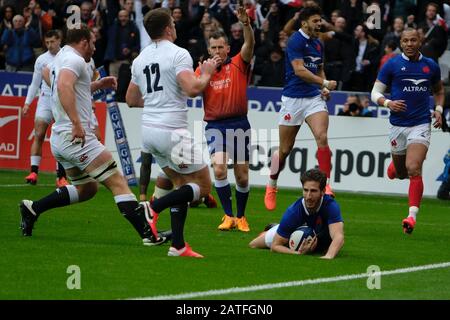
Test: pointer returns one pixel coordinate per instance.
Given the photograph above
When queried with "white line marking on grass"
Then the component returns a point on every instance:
(300, 283)
(25, 185)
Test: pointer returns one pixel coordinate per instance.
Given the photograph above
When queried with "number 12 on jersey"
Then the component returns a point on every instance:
(148, 71)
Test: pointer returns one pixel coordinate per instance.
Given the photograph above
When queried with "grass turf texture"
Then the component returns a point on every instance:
(114, 265)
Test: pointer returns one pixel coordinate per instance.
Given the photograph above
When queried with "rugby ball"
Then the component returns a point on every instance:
(299, 235)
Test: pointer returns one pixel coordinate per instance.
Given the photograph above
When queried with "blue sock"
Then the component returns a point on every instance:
(224, 191)
(241, 199)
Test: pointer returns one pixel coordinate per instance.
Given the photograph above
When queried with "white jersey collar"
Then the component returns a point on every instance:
(303, 33)
(407, 59)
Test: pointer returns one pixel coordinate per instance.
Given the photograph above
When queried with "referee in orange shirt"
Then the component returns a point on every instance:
(228, 130)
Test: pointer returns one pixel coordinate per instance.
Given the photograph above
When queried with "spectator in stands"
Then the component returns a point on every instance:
(100, 47)
(236, 39)
(6, 16)
(274, 18)
(395, 34)
(389, 52)
(411, 22)
(435, 39)
(129, 7)
(123, 43)
(272, 71)
(366, 54)
(338, 52)
(352, 107)
(365, 103)
(87, 17)
(444, 189)
(352, 11)
(184, 24)
(403, 8)
(222, 11)
(199, 47)
(18, 45)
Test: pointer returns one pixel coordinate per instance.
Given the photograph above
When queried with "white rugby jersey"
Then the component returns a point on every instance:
(155, 71)
(68, 58)
(42, 61)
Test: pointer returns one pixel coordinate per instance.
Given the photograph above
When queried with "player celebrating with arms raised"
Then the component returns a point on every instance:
(410, 77)
(302, 99)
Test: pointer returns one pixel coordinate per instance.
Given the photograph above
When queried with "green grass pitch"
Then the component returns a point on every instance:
(114, 264)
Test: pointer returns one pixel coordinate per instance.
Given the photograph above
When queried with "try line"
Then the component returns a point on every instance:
(300, 283)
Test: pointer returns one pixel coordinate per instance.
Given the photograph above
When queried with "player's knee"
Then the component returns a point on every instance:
(413, 169)
(39, 135)
(242, 181)
(220, 172)
(205, 189)
(164, 183)
(284, 151)
(87, 191)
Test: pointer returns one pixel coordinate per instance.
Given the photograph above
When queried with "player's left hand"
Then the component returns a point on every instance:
(326, 258)
(325, 94)
(109, 83)
(307, 246)
(438, 119)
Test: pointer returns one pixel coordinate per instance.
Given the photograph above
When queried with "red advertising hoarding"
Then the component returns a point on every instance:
(17, 134)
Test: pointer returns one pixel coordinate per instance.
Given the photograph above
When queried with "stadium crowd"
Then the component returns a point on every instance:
(353, 53)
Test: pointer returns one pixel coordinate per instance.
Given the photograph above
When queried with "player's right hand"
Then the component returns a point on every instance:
(209, 66)
(25, 109)
(397, 105)
(78, 135)
(332, 84)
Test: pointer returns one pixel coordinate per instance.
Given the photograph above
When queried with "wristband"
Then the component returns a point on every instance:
(439, 109)
(386, 102)
(325, 83)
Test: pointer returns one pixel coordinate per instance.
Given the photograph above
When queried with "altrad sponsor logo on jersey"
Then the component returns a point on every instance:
(415, 87)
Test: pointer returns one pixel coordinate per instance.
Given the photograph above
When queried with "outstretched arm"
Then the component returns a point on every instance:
(337, 240)
(249, 37)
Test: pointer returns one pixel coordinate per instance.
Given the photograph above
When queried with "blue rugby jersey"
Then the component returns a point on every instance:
(297, 215)
(410, 81)
(301, 46)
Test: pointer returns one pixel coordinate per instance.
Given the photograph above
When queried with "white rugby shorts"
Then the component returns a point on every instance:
(294, 111)
(44, 109)
(73, 155)
(269, 235)
(174, 149)
(401, 137)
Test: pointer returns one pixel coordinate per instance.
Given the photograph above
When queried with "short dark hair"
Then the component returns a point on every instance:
(433, 4)
(308, 12)
(217, 35)
(76, 35)
(392, 45)
(53, 33)
(156, 20)
(315, 175)
(408, 29)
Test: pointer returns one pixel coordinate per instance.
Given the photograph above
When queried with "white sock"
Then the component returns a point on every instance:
(273, 183)
(35, 160)
(413, 211)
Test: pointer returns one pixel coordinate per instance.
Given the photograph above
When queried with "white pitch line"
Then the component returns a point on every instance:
(269, 286)
(24, 185)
